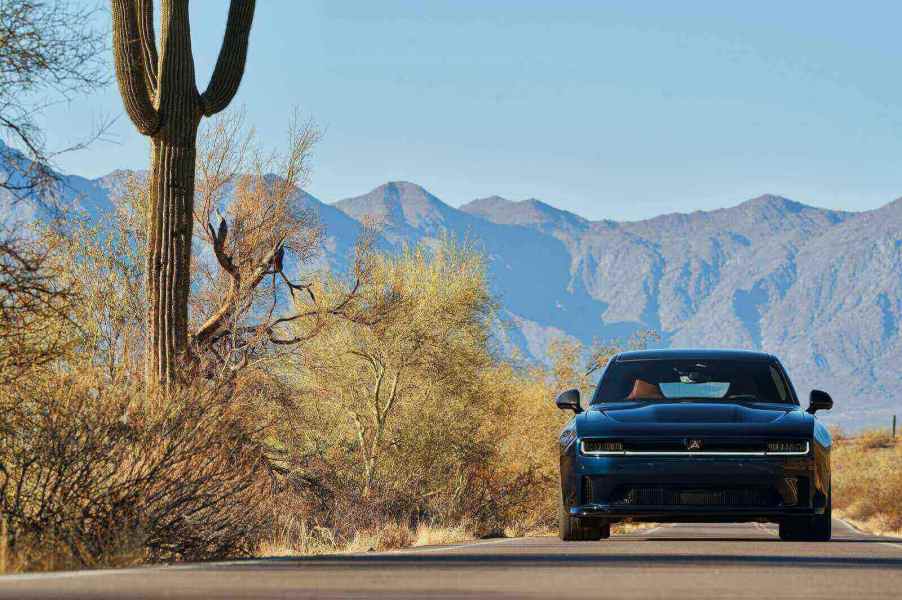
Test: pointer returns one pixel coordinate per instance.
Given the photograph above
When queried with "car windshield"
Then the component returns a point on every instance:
(660, 380)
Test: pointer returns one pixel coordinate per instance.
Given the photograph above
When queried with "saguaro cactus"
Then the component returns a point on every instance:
(161, 98)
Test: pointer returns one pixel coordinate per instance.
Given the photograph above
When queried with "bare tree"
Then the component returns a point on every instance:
(48, 52)
(256, 241)
(262, 234)
(160, 95)
(34, 307)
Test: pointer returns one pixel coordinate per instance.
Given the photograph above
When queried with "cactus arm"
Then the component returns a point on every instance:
(148, 44)
(232, 57)
(130, 70)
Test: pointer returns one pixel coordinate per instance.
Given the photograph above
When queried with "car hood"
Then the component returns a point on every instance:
(704, 418)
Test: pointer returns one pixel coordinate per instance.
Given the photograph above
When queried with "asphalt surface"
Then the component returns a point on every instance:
(672, 561)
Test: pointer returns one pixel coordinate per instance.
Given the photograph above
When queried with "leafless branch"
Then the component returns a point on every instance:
(47, 48)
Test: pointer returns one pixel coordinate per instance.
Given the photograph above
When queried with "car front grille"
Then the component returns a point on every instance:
(680, 496)
(692, 446)
(706, 445)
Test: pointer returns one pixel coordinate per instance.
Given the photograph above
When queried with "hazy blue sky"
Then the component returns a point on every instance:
(609, 109)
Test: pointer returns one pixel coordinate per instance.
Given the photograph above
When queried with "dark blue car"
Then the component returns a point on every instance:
(695, 436)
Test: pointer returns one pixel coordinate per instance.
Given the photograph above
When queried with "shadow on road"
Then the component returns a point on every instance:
(757, 540)
(658, 540)
(476, 560)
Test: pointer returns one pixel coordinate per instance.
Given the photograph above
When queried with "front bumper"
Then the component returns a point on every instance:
(696, 488)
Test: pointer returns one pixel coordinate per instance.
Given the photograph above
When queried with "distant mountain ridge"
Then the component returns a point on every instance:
(820, 288)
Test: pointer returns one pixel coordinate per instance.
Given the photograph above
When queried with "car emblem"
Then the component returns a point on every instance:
(693, 444)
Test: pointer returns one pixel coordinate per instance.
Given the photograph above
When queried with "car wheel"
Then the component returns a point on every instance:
(822, 525)
(573, 530)
(815, 529)
(793, 530)
(566, 524)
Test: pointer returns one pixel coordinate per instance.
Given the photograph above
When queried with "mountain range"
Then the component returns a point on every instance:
(822, 289)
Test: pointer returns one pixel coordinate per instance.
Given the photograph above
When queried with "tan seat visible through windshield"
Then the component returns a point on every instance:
(644, 389)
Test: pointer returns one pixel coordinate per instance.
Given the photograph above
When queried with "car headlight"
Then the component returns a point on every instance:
(593, 447)
(787, 447)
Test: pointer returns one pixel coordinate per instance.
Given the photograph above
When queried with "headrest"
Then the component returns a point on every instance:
(644, 389)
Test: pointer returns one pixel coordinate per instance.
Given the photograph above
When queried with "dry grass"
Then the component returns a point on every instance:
(872, 440)
(623, 528)
(436, 535)
(628, 527)
(391, 536)
(867, 481)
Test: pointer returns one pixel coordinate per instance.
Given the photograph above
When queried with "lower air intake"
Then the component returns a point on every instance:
(587, 490)
(661, 496)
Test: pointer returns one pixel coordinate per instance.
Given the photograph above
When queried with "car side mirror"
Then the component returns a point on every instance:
(819, 401)
(569, 400)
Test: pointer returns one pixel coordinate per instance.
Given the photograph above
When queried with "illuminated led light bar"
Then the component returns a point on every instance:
(596, 447)
(601, 447)
(787, 447)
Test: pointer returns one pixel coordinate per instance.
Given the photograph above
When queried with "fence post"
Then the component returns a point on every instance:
(894, 426)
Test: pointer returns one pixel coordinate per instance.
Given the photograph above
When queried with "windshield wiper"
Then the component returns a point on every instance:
(645, 399)
(744, 398)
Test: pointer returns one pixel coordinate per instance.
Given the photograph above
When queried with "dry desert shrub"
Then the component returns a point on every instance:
(417, 421)
(867, 480)
(35, 305)
(414, 420)
(877, 438)
(396, 420)
(90, 476)
(394, 536)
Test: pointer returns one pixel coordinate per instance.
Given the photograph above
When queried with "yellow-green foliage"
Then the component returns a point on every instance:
(413, 418)
(867, 480)
(396, 421)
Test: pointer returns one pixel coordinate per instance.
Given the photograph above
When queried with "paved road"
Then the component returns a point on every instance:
(682, 561)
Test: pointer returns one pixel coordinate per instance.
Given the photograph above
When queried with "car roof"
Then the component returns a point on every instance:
(695, 354)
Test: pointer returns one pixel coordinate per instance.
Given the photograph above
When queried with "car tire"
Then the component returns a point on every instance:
(577, 530)
(822, 525)
(793, 530)
(815, 529)
(567, 529)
